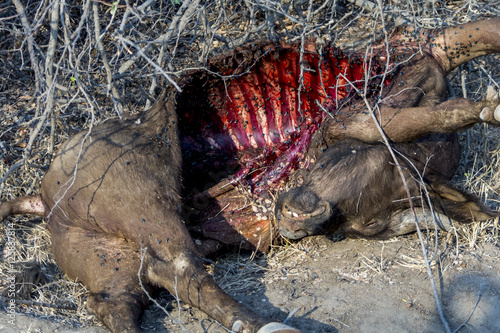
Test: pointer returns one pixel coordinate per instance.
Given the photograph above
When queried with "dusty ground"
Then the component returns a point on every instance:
(340, 286)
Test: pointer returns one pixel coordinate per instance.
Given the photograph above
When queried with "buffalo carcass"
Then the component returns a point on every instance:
(258, 125)
(272, 109)
(112, 198)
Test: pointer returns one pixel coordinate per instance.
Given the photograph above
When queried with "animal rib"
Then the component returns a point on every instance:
(268, 111)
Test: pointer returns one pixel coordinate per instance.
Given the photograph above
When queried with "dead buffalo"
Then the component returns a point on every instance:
(112, 196)
(270, 109)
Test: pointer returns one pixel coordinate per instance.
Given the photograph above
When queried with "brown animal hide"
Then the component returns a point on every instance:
(112, 201)
(266, 110)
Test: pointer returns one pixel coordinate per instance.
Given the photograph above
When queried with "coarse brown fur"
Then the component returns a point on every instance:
(365, 195)
(112, 200)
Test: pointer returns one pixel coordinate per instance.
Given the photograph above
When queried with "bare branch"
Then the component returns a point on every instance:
(31, 42)
(104, 58)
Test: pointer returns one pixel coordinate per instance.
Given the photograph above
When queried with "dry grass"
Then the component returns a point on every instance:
(478, 172)
(83, 94)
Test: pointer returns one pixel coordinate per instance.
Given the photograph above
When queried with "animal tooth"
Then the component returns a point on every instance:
(295, 214)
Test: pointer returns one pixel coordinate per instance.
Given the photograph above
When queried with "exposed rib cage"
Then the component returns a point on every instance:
(258, 109)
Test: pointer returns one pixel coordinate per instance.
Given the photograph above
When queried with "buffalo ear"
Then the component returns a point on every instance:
(458, 205)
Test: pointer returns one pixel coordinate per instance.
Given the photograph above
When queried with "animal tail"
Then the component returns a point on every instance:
(24, 205)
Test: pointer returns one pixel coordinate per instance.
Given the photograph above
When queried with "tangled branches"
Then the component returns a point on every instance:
(97, 59)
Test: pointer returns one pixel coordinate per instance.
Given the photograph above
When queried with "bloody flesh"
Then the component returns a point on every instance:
(250, 119)
(254, 120)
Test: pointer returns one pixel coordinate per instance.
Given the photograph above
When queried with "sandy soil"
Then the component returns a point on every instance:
(340, 286)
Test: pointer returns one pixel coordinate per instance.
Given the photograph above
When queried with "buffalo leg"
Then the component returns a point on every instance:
(171, 262)
(405, 124)
(23, 205)
(119, 312)
(185, 277)
(108, 267)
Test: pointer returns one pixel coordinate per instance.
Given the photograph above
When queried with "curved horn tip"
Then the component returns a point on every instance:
(278, 328)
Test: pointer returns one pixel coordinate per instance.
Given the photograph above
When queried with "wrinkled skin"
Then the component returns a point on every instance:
(368, 198)
(361, 194)
(112, 202)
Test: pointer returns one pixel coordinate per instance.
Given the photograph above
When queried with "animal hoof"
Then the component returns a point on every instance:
(278, 328)
(491, 94)
(485, 114)
(496, 114)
